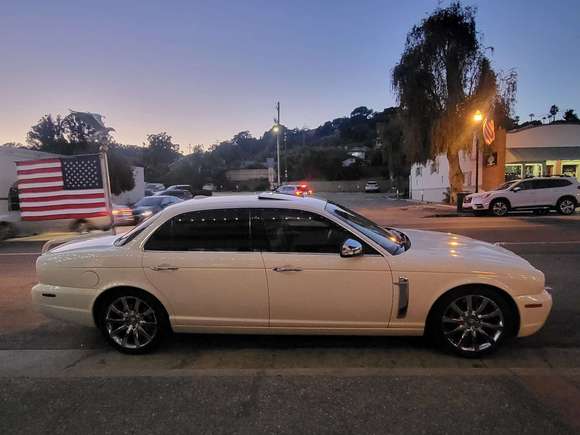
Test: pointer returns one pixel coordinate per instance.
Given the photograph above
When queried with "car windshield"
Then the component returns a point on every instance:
(130, 235)
(506, 185)
(149, 201)
(395, 242)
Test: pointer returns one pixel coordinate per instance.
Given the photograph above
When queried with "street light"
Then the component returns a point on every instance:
(477, 118)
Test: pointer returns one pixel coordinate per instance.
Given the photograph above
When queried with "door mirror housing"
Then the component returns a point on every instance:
(516, 189)
(351, 248)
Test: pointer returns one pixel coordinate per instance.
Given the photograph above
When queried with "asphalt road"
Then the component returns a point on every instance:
(57, 378)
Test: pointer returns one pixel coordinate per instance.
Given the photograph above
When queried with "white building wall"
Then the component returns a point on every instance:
(138, 192)
(430, 181)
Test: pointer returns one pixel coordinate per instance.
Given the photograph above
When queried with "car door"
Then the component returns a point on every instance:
(523, 194)
(203, 262)
(310, 284)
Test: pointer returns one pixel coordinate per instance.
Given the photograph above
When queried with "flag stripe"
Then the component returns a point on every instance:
(38, 162)
(61, 194)
(62, 199)
(30, 181)
(41, 187)
(22, 172)
(82, 215)
(57, 212)
(72, 206)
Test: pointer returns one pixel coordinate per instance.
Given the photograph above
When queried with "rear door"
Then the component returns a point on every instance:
(310, 284)
(203, 262)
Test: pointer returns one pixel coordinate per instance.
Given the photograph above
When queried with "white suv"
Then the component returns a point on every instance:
(539, 194)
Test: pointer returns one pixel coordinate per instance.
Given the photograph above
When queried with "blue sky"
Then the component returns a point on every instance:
(204, 70)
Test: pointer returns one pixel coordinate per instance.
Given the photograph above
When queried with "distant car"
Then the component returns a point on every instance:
(154, 187)
(210, 187)
(280, 264)
(294, 189)
(372, 187)
(151, 205)
(181, 194)
(540, 194)
(180, 187)
(12, 225)
(187, 187)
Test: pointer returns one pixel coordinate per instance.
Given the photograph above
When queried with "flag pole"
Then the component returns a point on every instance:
(103, 148)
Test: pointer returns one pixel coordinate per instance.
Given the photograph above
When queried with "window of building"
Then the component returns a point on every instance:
(513, 171)
(418, 171)
(571, 168)
(206, 230)
(533, 170)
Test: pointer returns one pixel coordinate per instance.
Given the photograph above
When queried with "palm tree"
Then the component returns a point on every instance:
(554, 111)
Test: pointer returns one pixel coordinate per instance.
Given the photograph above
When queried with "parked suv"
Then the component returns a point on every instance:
(541, 194)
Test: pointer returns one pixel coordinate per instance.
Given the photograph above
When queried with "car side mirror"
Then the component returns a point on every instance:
(351, 248)
(516, 189)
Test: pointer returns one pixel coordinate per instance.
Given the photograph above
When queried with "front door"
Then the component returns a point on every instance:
(310, 284)
(524, 195)
(204, 264)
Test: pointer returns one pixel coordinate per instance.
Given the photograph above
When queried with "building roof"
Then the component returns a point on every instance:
(545, 136)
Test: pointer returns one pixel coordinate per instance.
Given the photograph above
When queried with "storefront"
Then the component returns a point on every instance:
(544, 150)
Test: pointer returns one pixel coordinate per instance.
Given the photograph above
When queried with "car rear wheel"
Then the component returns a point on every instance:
(133, 322)
(472, 322)
(566, 206)
(499, 207)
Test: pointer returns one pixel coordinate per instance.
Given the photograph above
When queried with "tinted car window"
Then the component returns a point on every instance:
(283, 230)
(206, 230)
(559, 183)
(525, 185)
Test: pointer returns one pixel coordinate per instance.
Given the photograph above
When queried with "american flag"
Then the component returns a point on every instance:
(61, 188)
(488, 131)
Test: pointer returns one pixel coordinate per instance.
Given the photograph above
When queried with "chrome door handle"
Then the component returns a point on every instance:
(164, 267)
(286, 269)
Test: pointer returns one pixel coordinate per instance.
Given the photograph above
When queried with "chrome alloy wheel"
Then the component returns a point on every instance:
(499, 208)
(472, 323)
(130, 322)
(567, 206)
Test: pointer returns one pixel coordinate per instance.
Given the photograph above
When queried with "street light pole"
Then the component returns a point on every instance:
(477, 118)
(278, 141)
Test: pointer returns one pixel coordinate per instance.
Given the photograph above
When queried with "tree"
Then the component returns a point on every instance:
(570, 116)
(554, 111)
(48, 135)
(160, 151)
(443, 77)
(361, 112)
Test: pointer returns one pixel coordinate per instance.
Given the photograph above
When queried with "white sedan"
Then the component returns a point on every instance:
(278, 264)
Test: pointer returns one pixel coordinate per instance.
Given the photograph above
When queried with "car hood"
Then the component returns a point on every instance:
(92, 243)
(446, 252)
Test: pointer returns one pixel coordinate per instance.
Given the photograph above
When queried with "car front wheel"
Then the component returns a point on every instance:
(499, 207)
(132, 322)
(472, 323)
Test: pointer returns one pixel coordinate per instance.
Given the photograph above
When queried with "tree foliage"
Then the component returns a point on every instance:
(159, 153)
(570, 116)
(442, 78)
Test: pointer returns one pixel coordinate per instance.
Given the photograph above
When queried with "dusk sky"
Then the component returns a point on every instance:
(205, 70)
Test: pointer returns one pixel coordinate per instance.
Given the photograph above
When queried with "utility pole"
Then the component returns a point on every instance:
(278, 141)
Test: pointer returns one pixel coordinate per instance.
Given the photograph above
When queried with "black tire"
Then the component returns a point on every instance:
(143, 330)
(472, 336)
(82, 226)
(6, 230)
(566, 206)
(499, 207)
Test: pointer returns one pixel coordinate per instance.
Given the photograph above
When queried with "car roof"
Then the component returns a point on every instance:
(263, 200)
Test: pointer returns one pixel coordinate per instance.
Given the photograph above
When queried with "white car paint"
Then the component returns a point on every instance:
(526, 194)
(240, 291)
